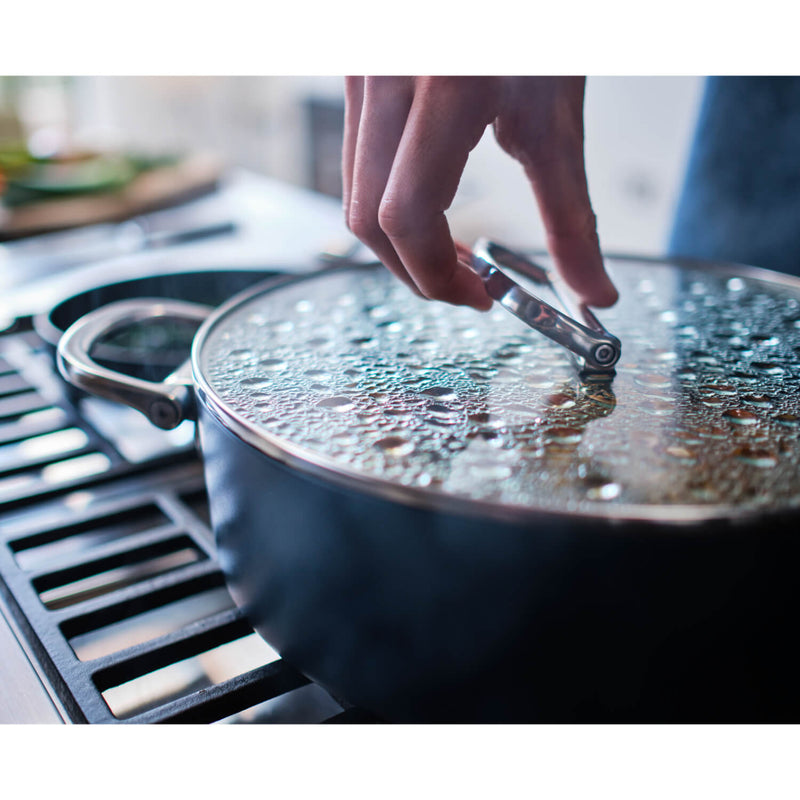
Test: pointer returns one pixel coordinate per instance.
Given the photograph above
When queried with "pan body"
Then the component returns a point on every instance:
(426, 616)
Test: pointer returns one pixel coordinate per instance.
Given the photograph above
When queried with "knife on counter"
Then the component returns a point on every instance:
(27, 260)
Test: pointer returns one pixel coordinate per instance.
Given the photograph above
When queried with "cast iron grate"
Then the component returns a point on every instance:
(108, 567)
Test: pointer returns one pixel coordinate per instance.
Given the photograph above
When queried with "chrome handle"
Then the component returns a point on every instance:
(595, 349)
(165, 404)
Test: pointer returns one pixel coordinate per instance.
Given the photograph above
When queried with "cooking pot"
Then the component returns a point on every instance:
(429, 511)
(150, 351)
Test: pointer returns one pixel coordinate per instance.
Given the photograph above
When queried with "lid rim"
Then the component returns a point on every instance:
(318, 465)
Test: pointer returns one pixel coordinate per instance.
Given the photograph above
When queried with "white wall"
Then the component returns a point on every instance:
(637, 135)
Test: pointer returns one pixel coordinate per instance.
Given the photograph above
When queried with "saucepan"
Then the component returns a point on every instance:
(434, 514)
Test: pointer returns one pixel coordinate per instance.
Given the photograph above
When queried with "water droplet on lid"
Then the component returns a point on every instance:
(241, 354)
(303, 306)
(424, 479)
(379, 312)
(740, 416)
(256, 382)
(442, 392)
(273, 364)
(364, 341)
(770, 367)
(664, 355)
(489, 470)
(442, 422)
(668, 316)
(539, 381)
(790, 420)
(605, 491)
(518, 408)
(680, 453)
(564, 435)
(719, 388)
(687, 437)
(755, 457)
(337, 403)
(395, 446)
(765, 340)
(318, 374)
(652, 380)
(442, 410)
(713, 432)
(658, 408)
(760, 400)
(735, 285)
(560, 400)
(703, 491)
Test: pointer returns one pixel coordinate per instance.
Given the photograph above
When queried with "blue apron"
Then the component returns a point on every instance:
(741, 196)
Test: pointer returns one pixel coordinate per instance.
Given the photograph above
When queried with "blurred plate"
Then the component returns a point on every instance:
(91, 173)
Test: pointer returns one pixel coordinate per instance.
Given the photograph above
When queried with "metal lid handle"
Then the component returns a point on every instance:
(165, 404)
(595, 349)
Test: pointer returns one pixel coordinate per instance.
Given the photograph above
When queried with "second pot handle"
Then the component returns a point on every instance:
(165, 404)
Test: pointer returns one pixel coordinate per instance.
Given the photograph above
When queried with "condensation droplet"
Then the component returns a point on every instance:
(765, 340)
(735, 285)
(741, 416)
(759, 400)
(395, 446)
(489, 470)
(441, 392)
(652, 380)
(564, 435)
(606, 491)
(337, 403)
(755, 457)
(273, 364)
(681, 453)
(560, 400)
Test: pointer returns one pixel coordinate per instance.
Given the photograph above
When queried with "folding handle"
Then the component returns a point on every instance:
(165, 404)
(591, 345)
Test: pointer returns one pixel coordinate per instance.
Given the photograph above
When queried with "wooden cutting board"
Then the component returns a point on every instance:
(154, 189)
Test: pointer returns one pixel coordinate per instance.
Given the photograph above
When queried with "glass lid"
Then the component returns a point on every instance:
(348, 373)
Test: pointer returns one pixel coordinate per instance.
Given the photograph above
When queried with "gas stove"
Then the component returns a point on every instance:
(113, 608)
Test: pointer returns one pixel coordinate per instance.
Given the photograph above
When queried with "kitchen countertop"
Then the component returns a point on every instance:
(276, 225)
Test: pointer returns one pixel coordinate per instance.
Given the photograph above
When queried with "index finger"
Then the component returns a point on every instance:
(443, 126)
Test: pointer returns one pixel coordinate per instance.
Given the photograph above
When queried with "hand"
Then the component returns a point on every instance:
(406, 143)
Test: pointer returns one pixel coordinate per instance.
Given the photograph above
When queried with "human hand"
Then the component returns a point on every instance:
(406, 144)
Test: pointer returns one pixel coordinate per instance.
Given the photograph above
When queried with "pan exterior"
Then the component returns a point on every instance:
(436, 617)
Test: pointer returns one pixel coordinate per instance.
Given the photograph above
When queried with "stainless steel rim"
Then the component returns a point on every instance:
(319, 466)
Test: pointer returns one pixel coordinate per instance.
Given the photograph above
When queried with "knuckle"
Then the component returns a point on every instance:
(363, 223)
(397, 218)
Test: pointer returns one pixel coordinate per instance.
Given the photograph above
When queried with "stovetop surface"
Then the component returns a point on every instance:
(114, 608)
